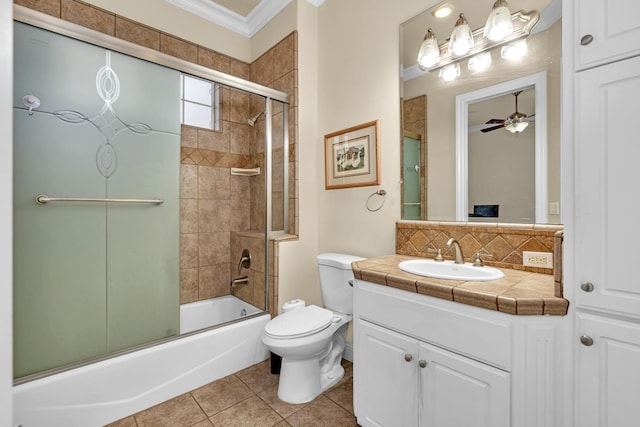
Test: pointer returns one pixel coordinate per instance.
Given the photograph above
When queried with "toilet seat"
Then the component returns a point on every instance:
(299, 323)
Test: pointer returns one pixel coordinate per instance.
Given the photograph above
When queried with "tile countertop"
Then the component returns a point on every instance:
(518, 292)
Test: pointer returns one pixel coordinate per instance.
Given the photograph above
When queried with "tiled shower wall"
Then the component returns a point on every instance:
(220, 214)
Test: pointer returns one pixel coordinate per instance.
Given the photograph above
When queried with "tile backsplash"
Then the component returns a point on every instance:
(501, 245)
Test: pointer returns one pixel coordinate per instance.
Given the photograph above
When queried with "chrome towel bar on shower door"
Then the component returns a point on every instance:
(42, 199)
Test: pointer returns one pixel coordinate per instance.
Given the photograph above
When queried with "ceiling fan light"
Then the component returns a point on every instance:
(499, 23)
(450, 72)
(516, 124)
(429, 53)
(461, 38)
(514, 51)
(480, 62)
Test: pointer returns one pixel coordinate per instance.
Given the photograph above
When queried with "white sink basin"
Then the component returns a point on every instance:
(450, 270)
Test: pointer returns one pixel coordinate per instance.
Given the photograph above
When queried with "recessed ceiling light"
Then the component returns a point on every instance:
(443, 10)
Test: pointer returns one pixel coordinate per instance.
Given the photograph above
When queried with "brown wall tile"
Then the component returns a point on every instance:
(88, 16)
(137, 33)
(50, 7)
(179, 48)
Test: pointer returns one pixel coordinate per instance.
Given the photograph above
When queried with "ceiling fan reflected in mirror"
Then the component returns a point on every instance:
(515, 123)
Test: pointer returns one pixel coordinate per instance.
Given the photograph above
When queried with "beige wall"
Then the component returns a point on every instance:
(358, 54)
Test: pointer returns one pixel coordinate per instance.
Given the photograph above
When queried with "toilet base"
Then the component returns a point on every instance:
(301, 380)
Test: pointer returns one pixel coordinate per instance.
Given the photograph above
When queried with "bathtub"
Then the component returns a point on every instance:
(110, 389)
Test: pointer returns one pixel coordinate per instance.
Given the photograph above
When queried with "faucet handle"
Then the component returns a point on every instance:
(477, 262)
(438, 254)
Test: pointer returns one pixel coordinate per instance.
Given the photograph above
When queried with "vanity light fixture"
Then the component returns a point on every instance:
(499, 23)
(450, 52)
(479, 62)
(450, 72)
(429, 53)
(514, 51)
(461, 37)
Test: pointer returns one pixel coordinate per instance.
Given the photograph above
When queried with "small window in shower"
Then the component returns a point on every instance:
(199, 102)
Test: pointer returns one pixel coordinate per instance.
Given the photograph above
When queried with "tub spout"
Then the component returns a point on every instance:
(244, 280)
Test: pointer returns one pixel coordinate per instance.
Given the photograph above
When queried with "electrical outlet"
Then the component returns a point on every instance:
(554, 208)
(537, 259)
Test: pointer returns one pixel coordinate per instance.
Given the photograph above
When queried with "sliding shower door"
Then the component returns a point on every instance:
(92, 277)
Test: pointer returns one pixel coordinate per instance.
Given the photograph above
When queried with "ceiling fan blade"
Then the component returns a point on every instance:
(494, 121)
(489, 129)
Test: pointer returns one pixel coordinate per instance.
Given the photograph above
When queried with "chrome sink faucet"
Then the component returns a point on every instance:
(456, 246)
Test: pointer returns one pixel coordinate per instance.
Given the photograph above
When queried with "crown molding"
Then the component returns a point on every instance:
(260, 16)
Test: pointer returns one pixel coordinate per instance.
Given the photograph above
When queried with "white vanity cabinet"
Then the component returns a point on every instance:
(605, 31)
(608, 378)
(423, 361)
(603, 267)
(607, 178)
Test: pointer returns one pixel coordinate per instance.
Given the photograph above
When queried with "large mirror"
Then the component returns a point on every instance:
(459, 162)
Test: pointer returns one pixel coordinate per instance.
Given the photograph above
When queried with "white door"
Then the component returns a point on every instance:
(458, 391)
(607, 196)
(605, 31)
(386, 379)
(608, 378)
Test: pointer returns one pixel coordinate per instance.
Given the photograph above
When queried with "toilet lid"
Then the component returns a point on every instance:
(299, 323)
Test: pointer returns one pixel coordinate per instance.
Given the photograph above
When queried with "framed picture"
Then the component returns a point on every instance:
(352, 157)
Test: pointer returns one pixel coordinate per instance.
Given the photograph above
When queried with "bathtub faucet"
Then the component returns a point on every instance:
(245, 260)
(244, 280)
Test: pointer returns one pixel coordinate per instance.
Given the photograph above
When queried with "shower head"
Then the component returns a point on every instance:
(252, 120)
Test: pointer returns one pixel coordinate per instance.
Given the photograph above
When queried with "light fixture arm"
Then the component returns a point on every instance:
(523, 23)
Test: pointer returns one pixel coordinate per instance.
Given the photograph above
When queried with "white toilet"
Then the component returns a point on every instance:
(311, 339)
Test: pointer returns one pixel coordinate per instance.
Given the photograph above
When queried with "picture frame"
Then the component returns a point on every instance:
(352, 157)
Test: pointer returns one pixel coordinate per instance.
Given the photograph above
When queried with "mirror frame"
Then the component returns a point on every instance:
(539, 82)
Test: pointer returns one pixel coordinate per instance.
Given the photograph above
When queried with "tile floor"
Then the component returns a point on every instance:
(249, 399)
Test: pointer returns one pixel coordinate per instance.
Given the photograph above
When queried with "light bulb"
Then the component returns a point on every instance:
(499, 23)
(450, 72)
(429, 53)
(515, 50)
(516, 127)
(480, 62)
(461, 38)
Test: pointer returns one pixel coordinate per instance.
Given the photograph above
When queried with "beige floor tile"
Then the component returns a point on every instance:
(270, 396)
(282, 423)
(205, 423)
(125, 422)
(343, 395)
(322, 412)
(177, 412)
(258, 377)
(253, 412)
(221, 394)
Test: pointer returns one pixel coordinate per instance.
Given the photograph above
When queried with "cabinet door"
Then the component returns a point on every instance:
(457, 391)
(385, 378)
(605, 31)
(608, 381)
(606, 184)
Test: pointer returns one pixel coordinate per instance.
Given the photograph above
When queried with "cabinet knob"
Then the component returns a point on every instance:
(587, 286)
(408, 357)
(585, 40)
(586, 340)
(422, 363)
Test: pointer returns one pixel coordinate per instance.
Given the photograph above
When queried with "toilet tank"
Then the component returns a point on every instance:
(335, 273)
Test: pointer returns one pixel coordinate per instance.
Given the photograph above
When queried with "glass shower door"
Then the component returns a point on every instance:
(411, 178)
(92, 277)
